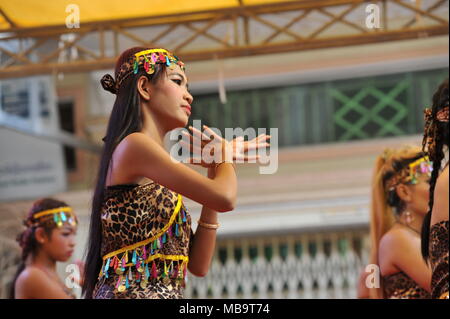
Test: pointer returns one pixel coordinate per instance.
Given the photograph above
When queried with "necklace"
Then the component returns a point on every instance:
(409, 227)
(54, 277)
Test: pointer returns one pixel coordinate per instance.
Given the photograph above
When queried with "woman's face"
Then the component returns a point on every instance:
(420, 195)
(170, 101)
(61, 243)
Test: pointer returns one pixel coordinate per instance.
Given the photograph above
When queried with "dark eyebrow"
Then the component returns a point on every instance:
(182, 76)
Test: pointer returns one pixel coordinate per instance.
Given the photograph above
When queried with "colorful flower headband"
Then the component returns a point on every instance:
(410, 174)
(420, 167)
(146, 59)
(60, 216)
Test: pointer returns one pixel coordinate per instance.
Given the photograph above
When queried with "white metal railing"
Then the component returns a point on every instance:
(311, 265)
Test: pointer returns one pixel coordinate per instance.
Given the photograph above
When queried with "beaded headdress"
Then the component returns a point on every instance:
(431, 128)
(411, 173)
(55, 217)
(147, 60)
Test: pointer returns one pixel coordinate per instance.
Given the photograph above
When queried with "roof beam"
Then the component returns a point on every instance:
(96, 56)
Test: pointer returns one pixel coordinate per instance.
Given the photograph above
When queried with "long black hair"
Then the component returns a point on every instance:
(27, 239)
(124, 120)
(435, 138)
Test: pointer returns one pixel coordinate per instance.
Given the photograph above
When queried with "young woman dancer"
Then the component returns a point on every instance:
(141, 243)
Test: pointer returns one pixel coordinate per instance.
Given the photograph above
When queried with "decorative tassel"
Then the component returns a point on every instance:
(147, 272)
(63, 217)
(127, 283)
(138, 277)
(154, 270)
(171, 269)
(135, 67)
(138, 264)
(118, 282)
(165, 270)
(175, 273)
(184, 216)
(145, 253)
(106, 269)
(134, 259)
(107, 265)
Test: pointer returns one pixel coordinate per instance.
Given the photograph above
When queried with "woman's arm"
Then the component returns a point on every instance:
(35, 284)
(362, 289)
(403, 249)
(139, 156)
(204, 241)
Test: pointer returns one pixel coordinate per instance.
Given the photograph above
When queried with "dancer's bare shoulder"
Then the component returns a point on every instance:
(33, 283)
(395, 247)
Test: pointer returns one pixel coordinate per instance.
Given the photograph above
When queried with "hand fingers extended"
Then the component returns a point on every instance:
(212, 133)
(198, 134)
(254, 146)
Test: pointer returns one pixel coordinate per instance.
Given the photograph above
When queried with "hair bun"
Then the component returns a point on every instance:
(108, 83)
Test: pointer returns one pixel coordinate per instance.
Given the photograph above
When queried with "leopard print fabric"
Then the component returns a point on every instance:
(439, 259)
(400, 286)
(134, 213)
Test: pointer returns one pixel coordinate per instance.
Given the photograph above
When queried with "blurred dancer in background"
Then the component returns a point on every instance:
(49, 238)
(399, 204)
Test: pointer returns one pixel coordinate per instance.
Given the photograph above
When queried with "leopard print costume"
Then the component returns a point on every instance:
(400, 286)
(439, 259)
(133, 214)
